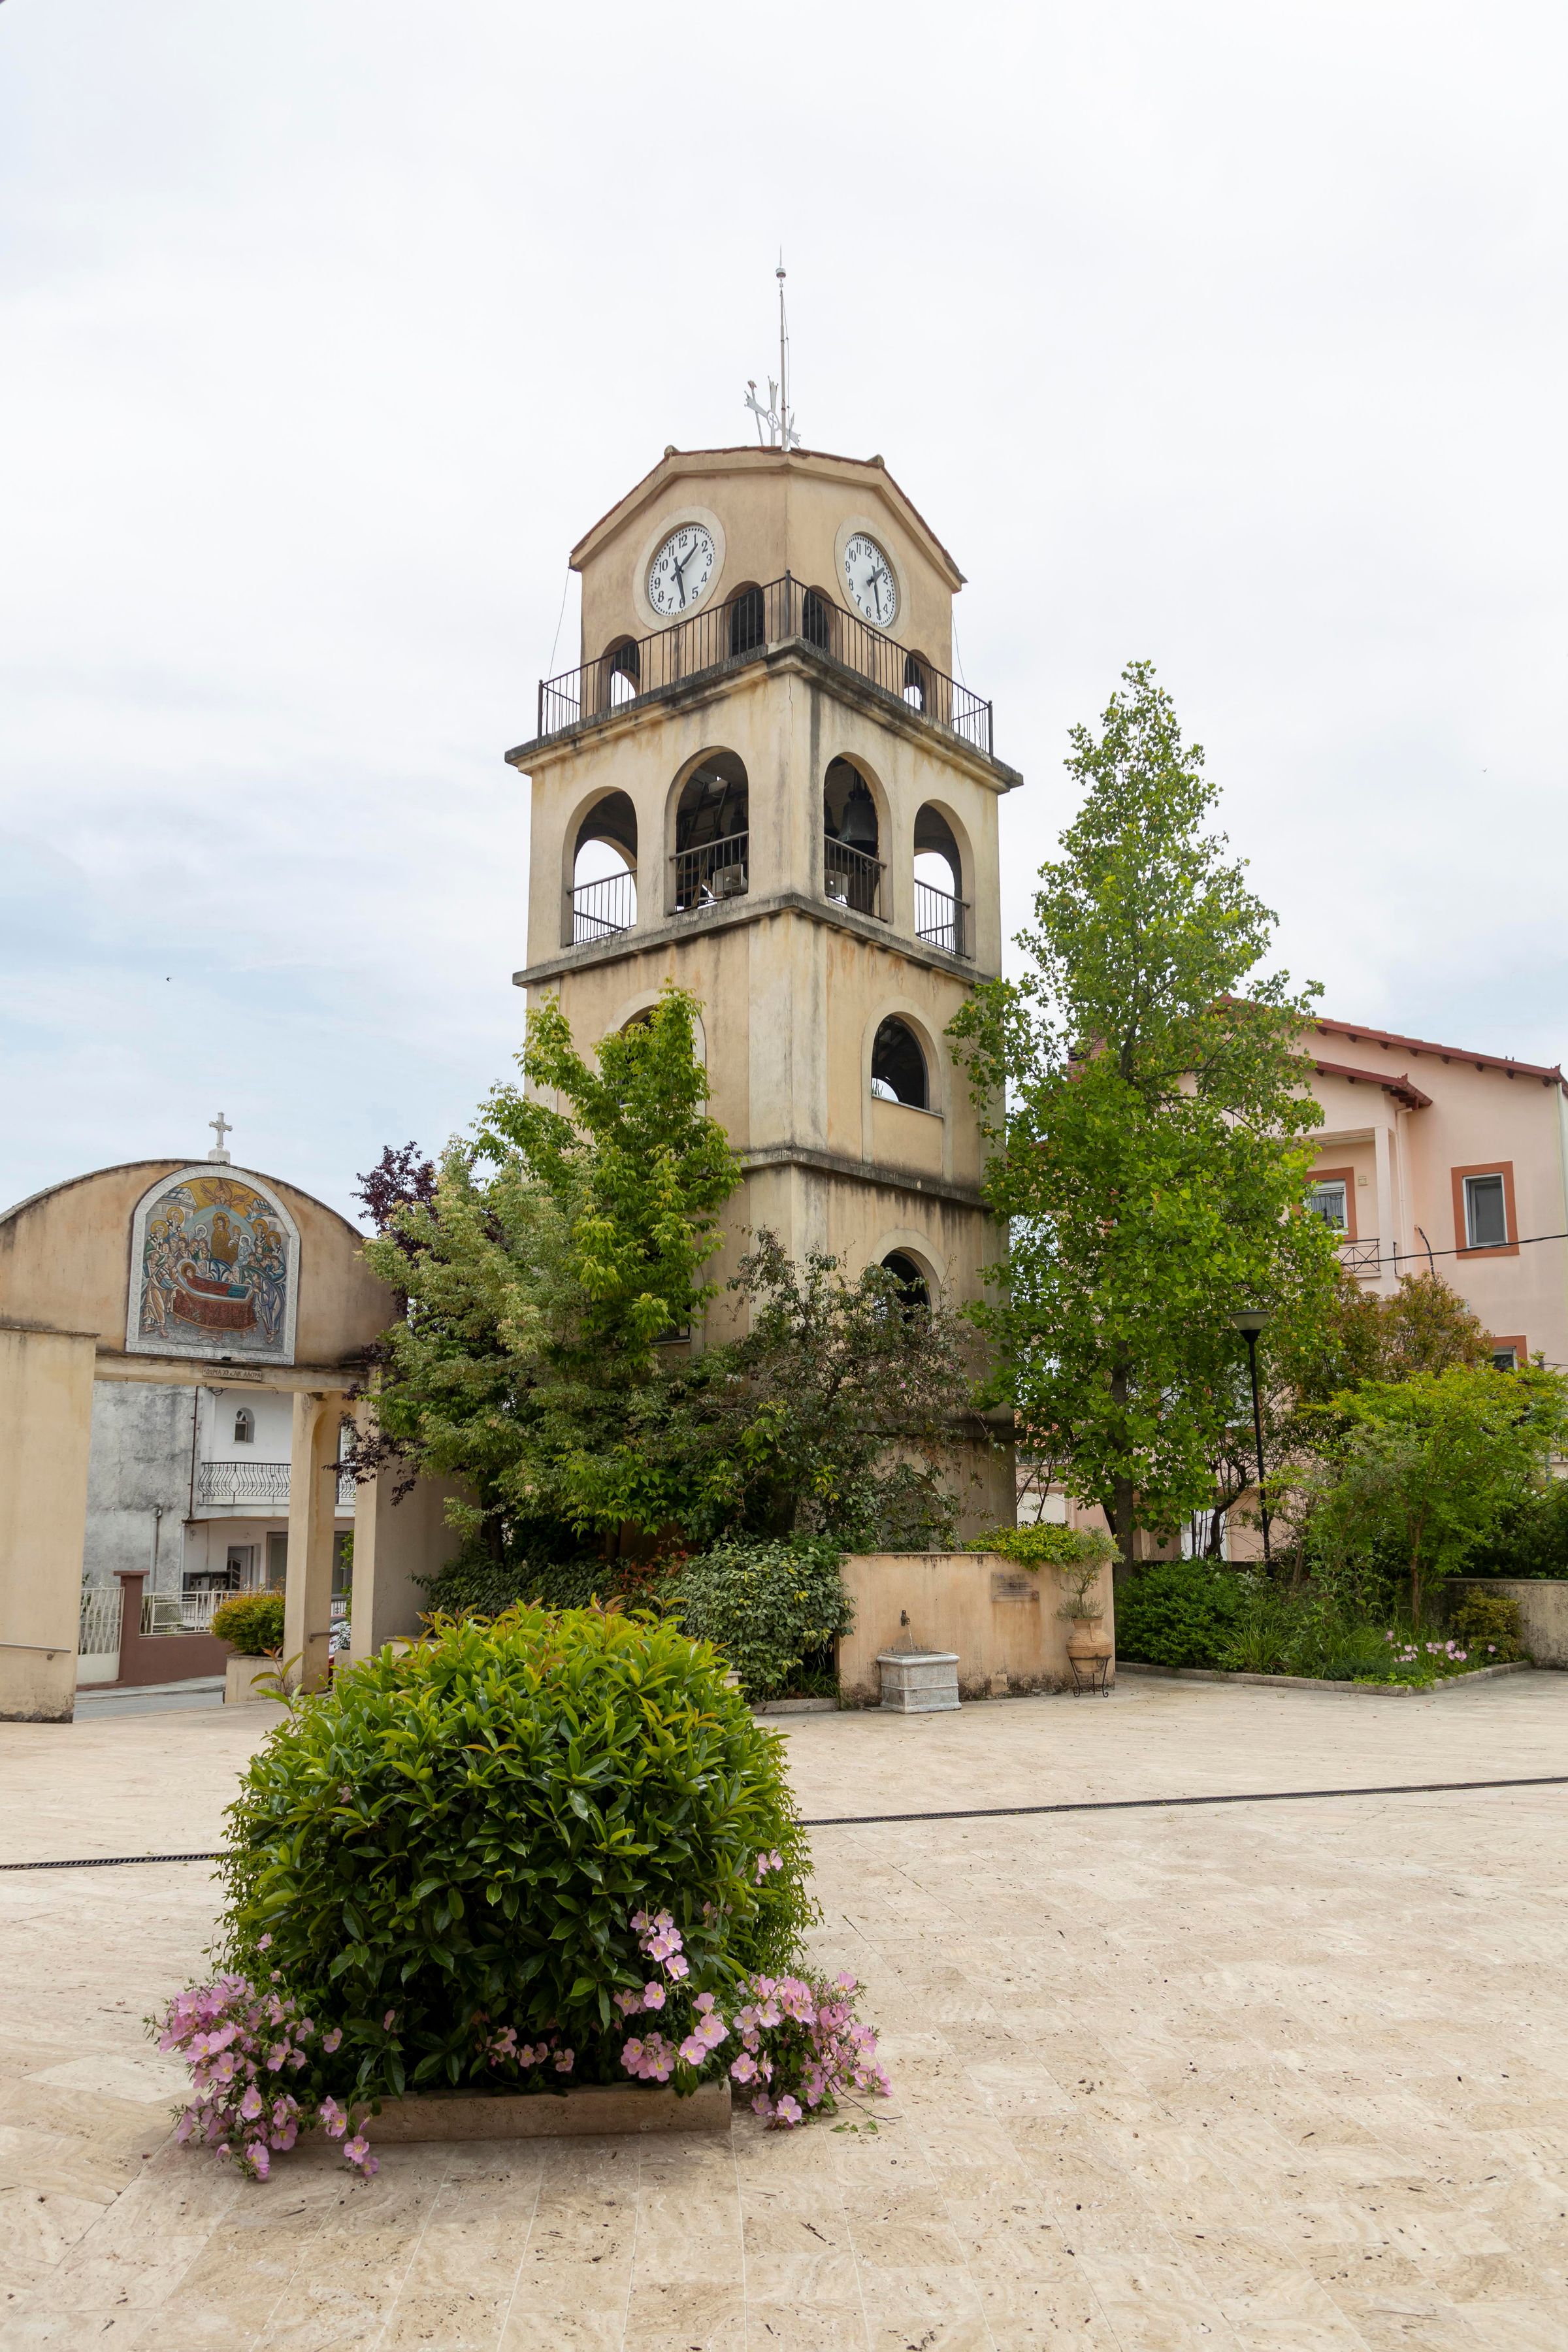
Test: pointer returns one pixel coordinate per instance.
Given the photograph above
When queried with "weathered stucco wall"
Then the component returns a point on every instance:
(1543, 1610)
(1001, 1619)
(141, 1457)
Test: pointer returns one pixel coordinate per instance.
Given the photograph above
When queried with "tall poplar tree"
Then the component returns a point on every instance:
(1146, 1105)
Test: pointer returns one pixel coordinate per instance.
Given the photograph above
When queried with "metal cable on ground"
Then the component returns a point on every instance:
(993, 1813)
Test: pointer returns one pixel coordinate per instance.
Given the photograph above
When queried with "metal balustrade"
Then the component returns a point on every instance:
(744, 629)
(852, 878)
(600, 909)
(939, 918)
(261, 1486)
(708, 876)
(1362, 1256)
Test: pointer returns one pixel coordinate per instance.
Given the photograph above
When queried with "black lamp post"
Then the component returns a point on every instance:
(1249, 1321)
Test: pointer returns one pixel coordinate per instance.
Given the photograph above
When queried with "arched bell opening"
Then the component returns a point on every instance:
(621, 674)
(748, 620)
(603, 894)
(914, 1288)
(853, 873)
(712, 834)
(899, 1072)
(938, 883)
(816, 610)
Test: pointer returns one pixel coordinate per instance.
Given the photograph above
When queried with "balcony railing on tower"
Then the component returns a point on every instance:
(708, 876)
(744, 629)
(600, 909)
(853, 879)
(939, 918)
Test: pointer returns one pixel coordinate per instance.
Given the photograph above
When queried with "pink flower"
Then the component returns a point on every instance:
(677, 1967)
(653, 1995)
(787, 2110)
(356, 2151)
(744, 2069)
(567, 2061)
(264, 1944)
(333, 2121)
(386, 2020)
(250, 2106)
(330, 2040)
(693, 2050)
(257, 2158)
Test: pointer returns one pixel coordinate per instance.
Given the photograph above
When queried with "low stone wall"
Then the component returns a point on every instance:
(1000, 1618)
(1543, 1610)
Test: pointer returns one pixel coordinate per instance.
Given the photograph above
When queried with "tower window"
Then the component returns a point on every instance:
(915, 693)
(602, 897)
(940, 910)
(624, 667)
(914, 1291)
(712, 839)
(747, 622)
(815, 626)
(898, 1066)
(245, 1427)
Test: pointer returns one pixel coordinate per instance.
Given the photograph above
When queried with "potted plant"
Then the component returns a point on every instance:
(1082, 1607)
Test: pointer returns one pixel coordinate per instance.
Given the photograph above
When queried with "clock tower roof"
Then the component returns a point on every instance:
(861, 478)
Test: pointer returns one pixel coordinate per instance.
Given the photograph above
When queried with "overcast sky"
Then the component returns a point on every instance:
(1224, 335)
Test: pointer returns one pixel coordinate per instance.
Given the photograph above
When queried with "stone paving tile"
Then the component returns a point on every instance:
(1270, 2077)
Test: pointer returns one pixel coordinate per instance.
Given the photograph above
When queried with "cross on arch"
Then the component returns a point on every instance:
(221, 1129)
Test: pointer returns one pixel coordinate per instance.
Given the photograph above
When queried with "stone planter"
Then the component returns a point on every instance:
(241, 1675)
(1086, 1638)
(591, 2110)
(919, 1682)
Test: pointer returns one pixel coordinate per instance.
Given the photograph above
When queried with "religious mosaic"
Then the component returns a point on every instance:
(214, 1268)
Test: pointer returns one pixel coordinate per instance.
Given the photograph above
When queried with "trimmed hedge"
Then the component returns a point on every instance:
(252, 1624)
(1179, 1612)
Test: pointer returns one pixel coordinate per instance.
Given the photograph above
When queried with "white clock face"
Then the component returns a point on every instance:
(680, 571)
(869, 576)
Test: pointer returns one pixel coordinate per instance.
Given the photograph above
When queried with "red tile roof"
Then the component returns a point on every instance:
(1359, 1034)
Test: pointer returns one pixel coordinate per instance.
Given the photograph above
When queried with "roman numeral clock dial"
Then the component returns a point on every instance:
(868, 577)
(680, 573)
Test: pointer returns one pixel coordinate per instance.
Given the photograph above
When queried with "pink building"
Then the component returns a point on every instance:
(1433, 1156)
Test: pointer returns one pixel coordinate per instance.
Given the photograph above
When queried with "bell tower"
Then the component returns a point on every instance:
(762, 781)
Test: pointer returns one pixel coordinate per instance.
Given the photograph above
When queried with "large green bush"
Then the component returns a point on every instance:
(252, 1624)
(767, 1606)
(1530, 1538)
(1179, 1612)
(453, 1841)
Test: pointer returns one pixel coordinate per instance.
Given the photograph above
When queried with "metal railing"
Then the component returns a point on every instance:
(1359, 1257)
(256, 1487)
(939, 918)
(743, 630)
(708, 876)
(850, 878)
(98, 1636)
(600, 909)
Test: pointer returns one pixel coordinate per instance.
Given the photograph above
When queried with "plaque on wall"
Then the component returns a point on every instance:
(214, 1269)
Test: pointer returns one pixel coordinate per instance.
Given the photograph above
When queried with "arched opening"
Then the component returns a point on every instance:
(604, 889)
(915, 1290)
(711, 833)
(623, 669)
(917, 693)
(245, 1427)
(899, 1065)
(748, 620)
(938, 883)
(852, 871)
(816, 619)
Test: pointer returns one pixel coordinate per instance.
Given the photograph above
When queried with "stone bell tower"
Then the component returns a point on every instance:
(762, 782)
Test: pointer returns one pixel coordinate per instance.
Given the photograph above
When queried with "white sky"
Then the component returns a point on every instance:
(1227, 335)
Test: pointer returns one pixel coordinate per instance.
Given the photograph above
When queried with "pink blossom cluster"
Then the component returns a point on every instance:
(504, 2048)
(800, 2043)
(234, 2037)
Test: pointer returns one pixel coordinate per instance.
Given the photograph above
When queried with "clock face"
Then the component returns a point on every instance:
(680, 571)
(869, 576)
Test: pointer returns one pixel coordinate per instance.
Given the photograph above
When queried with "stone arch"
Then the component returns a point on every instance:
(856, 836)
(600, 892)
(900, 1070)
(903, 1240)
(940, 841)
(636, 1008)
(709, 830)
(620, 672)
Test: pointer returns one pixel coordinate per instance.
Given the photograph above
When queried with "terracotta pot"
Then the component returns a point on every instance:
(1089, 1639)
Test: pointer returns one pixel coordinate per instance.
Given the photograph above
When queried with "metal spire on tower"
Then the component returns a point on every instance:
(777, 416)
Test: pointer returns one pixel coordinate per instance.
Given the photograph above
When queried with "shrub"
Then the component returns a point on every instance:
(1179, 1612)
(451, 1842)
(473, 1585)
(1488, 1623)
(1529, 1540)
(1042, 1544)
(767, 1606)
(252, 1624)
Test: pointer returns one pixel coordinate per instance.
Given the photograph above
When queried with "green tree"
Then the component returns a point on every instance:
(1430, 1463)
(1147, 1124)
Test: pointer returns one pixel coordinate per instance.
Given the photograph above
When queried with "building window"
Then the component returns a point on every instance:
(1485, 1213)
(245, 1427)
(914, 1291)
(898, 1066)
(1505, 1360)
(277, 1561)
(1327, 1201)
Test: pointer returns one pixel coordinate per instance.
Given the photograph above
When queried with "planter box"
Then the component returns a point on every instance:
(593, 2110)
(240, 1677)
(919, 1682)
(1312, 1683)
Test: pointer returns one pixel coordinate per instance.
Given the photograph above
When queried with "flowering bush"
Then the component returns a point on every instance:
(244, 2045)
(449, 1843)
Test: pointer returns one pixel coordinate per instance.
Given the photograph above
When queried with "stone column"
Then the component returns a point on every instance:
(312, 1503)
(394, 1543)
(45, 1429)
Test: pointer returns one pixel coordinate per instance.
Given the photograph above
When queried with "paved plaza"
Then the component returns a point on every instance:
(1287, 2077)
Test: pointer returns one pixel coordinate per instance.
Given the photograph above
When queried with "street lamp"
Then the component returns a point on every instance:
(1249, 1321)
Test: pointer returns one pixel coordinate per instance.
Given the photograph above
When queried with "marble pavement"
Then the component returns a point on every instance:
(1287, 2077)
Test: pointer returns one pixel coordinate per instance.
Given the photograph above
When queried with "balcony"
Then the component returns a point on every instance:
(853, 879)
(1361, 1257)
(710, 875)
(728, 635)
(939, 918)
(601, 909)
(256, 1487)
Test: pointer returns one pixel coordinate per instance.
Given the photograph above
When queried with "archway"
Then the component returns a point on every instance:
(899, 1072)
(853, 873)
(712, 818)
(938, 883)
(602, 891)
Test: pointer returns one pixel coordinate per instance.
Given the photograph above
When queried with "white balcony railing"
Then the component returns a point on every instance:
(260, 1486)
